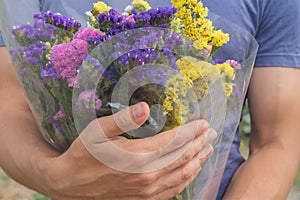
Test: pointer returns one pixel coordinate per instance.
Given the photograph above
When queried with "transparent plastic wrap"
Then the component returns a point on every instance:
(73, 75)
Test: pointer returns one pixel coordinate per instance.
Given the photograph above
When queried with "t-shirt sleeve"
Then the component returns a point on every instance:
(1, 41)
(278, 34)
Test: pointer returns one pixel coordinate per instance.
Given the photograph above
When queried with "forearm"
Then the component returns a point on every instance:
(267, 174)
(21, 144)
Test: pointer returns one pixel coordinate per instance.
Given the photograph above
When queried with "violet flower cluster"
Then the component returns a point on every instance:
(57, 50)
(67, 60)
(58, 20)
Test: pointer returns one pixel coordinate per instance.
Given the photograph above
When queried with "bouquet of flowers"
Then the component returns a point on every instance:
(167, 57)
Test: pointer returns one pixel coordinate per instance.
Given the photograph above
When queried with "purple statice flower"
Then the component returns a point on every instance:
(122, 26)
(218, 61)
(110, 74)
(33, 54)
(94, 41)
(170, 60)
(143, 18)
(55, 120)
(172, 41)
(67, 57)
(57, 125)
(27, 34)
(153, 74)
(123, 60)
(115, 29)
(26, 31)
(83, 34)
(155, 17)
(113, 22)
(142, 56)
(134, 11)
(149, 40)
(59, 20)
(108, 20)
(48, 71)
(43, 31)
(164, 26)
(88, 100)
(157, 75)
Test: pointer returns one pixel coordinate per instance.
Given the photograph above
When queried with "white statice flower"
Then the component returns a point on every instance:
(89, 14)
(127, 10)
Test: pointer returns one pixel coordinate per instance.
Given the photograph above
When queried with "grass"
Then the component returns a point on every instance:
(37, 196)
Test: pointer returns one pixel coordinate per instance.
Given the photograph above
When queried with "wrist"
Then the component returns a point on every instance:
(43, 162)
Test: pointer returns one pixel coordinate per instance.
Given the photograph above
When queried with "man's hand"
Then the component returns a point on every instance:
(78, 175)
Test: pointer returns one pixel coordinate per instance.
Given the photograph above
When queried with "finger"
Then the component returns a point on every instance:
(168, 159)
(206, 152)
(173, 139)
(197, 149)
(177, 189)
(120, 122)
(199, 146)
(174, 182)
(125, 120)
(173, 191)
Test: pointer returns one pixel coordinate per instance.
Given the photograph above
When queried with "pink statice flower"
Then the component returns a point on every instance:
(87, 32)
(67, 57)
(60, 114)
(129, 18)
(88, 100)
(234, 64)
(208, 50)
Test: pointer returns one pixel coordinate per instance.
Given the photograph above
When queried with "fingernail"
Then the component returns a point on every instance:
(211, 135)
(138, 111)
(204, 152)
(205, 125)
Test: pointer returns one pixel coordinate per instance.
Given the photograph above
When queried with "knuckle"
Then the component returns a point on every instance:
(146, 179)
(186, 174)
(187, 156)
(121, 120)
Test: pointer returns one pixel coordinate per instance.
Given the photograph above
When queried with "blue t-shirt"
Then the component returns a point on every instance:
(274, 24)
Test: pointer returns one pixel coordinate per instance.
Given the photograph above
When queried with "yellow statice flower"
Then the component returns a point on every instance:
(141, 5)
(200, 10)
(178, 3)
(228, 88)
(48, 44)
(206, 28)
(219, 38)
(201, 43)
(228, 74)
(100, 7)
(192, 2)
(170, 98)
(196, 26)
(226, 70)
(185, 16)
(187, 69)
(66, 39)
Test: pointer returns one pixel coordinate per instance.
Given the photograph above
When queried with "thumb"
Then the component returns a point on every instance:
(125, 120)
